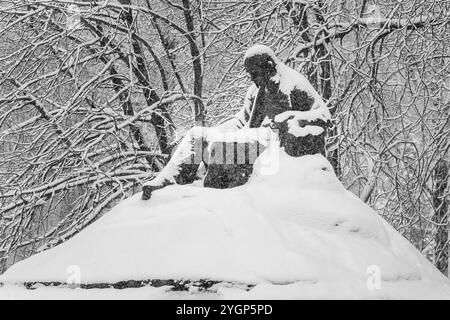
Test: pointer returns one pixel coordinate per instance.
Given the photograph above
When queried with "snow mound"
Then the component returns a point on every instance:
(294, 234)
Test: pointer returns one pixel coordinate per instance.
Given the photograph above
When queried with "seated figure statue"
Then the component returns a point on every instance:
(279, 98)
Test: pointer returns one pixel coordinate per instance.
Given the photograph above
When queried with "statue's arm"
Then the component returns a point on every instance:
(310, 101)
(241, 118)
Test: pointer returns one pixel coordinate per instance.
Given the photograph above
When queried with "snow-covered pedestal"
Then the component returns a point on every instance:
(289, 233)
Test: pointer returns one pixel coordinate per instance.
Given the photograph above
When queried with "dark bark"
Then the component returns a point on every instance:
(441, 212)
(323, 55)
(127, 107)
(161, 118)
(167, 45)
(196, 63)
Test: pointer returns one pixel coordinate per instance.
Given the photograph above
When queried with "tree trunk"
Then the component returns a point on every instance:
(199, 112)
(161, 120)
(440, 204)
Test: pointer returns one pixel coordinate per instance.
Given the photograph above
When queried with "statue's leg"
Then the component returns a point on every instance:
(183, 165)
(231, 163)
(311, 143)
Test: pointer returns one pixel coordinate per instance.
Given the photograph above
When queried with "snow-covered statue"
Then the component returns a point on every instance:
(280, 100)
(276, 89)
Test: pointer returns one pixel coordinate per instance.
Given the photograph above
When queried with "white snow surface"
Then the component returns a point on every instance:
(260, 49)
(298, 131)
(296, 234)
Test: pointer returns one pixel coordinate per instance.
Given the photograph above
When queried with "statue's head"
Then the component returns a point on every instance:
(260, 63)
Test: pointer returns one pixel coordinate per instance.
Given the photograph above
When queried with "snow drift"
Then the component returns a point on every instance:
(294, 234)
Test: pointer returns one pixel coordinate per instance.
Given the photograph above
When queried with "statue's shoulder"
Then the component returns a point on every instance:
(291, 80)
(302, 94)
